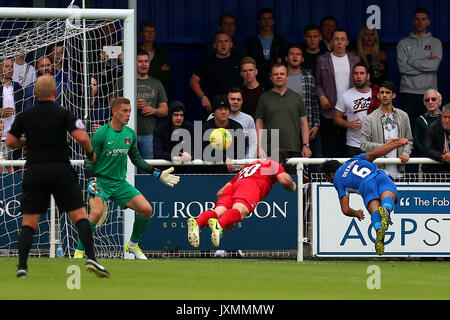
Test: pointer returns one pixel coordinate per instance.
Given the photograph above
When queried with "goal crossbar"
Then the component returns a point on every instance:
(67, 13)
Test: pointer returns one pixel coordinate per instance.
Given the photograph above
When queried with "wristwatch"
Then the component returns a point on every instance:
(306, 145)
(202, 96)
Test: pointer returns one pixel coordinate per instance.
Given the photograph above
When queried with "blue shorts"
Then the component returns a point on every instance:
(374, 188)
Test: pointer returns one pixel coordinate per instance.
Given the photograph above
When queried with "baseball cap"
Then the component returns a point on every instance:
(221, 102)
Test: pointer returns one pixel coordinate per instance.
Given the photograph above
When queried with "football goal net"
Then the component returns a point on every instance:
(91, 54)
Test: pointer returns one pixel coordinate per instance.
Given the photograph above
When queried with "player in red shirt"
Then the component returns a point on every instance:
(239, 197)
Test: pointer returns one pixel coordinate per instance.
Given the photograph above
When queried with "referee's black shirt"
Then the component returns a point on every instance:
(45, 127)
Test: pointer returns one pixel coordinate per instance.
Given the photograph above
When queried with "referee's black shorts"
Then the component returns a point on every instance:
(42, 180)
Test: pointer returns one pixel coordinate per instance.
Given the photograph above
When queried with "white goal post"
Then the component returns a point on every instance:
(76, 19)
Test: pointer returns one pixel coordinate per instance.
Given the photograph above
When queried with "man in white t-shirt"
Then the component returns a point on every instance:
(333, 77)
(354, 104)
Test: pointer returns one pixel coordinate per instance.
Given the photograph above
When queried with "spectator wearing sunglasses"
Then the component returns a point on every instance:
(432, 101)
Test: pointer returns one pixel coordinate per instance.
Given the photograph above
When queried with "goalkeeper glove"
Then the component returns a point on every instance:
(92, 186)
(166, 177)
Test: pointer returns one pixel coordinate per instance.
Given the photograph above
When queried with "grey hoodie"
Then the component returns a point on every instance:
(418, 72)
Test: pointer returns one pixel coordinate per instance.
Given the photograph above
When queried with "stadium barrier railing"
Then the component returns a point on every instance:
(302, 210)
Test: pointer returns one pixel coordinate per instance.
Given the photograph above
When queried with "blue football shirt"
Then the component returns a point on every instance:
(354, 173)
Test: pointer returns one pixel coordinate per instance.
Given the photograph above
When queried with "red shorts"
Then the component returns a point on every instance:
(245, 192)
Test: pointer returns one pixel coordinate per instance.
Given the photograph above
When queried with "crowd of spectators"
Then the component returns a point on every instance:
(320, 99)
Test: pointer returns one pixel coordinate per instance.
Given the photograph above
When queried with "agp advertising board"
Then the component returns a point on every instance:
(421, 224)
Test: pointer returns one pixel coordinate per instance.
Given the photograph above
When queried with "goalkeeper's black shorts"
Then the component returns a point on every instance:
(42, 180)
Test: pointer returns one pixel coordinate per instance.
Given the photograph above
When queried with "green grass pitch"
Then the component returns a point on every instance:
(224, 279)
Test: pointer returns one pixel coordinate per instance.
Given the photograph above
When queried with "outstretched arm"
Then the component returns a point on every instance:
(349, 212)
(385, 148)
(164, 176)
(137, 160)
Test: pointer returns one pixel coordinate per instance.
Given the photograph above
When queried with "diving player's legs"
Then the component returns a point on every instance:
(203, 220)
(236, 214)
(244, 201)
(194, 225)
(227, 219)
(223, 204)
(388, 200)
(378, 217)
(388, 195)
(380, 197)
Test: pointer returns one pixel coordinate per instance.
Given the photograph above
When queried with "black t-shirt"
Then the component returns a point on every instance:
(45, 127)
(309, 61)
(219, 75)
(250, 99)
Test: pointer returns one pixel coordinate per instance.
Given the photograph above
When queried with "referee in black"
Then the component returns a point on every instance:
(43, 130)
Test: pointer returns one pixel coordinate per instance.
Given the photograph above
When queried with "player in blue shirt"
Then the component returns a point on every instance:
(378, 190)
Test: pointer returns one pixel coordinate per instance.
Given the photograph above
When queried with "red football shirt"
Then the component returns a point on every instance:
(262, 172)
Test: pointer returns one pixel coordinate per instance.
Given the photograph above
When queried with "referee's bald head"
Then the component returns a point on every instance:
(45, 88)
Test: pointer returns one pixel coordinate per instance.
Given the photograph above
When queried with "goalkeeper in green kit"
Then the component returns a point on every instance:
(112, 144)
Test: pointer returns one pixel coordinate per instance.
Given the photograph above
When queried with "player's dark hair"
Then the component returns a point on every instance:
(330, 166)
(282, 157)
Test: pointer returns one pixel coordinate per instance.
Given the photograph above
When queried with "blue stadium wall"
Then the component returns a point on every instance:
(185, 26)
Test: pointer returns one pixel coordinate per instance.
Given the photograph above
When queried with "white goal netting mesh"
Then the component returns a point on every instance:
(85, 57)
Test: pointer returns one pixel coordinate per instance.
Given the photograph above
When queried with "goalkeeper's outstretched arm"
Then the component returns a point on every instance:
(165, 176)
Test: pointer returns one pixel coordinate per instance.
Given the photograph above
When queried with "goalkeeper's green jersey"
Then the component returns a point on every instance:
(112, 149)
